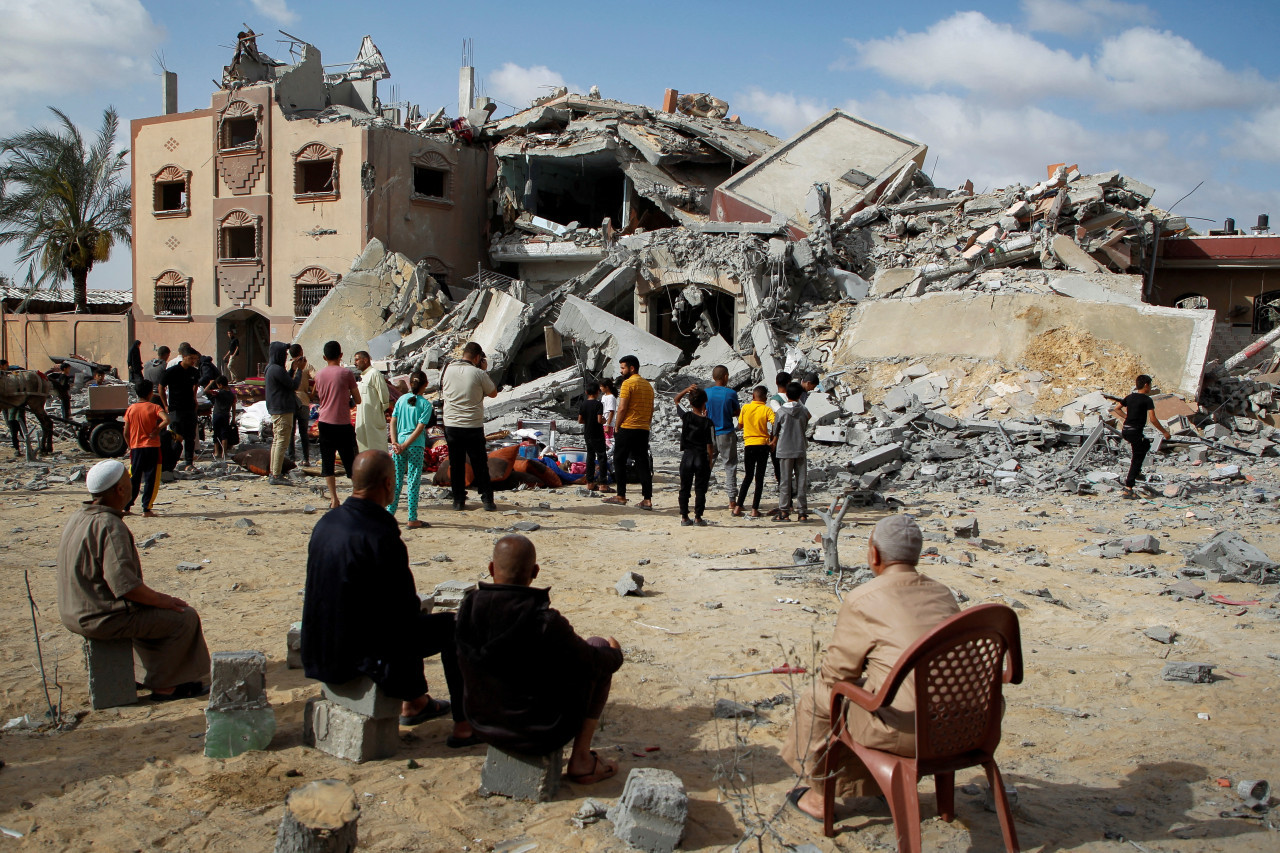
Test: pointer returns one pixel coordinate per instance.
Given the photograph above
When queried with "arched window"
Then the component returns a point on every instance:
(240, 237)
(432, 177)
(315, 172)
(238, 128)
(171, 192)
(309, 287)
(1266, 312)
(172, 294)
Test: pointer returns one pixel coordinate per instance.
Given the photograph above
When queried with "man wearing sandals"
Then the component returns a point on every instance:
(877, 623)
(532, 684)
(102, 596)
(361, 615)
(631, 440)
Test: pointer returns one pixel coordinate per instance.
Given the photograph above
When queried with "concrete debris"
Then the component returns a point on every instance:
(1227, 557)
(651, 813)
(631, 583)
(1191, 673)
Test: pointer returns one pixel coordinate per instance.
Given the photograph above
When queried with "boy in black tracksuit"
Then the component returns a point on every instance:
(591, 416)
(1137, 409)
(698, 452)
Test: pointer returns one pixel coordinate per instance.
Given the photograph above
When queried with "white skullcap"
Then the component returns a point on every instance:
(103, 476)
(898, 539)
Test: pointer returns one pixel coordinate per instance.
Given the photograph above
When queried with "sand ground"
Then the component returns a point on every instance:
(1103, 753)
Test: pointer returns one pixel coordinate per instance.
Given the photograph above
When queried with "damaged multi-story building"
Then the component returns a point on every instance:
(248, 212)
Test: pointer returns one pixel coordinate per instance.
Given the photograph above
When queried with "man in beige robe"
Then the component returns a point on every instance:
(877, 623)
(102, 596)
(375, 399)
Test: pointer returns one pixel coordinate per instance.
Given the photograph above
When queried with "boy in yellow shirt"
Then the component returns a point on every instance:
(756, 418)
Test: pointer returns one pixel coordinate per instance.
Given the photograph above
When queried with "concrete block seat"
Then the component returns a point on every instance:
(354, 721)
(111, 678)
(532, 778)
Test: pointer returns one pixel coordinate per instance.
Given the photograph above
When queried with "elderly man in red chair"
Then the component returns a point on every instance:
(878, 622)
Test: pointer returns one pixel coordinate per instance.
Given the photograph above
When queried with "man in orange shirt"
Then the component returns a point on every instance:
(143, 422)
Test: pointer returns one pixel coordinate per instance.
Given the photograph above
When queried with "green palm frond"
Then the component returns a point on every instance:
(64, 204)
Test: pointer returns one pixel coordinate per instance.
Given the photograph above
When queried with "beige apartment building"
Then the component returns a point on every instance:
(246, 213)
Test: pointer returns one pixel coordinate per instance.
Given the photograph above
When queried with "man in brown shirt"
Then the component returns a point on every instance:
(102, 596)
(877, 623)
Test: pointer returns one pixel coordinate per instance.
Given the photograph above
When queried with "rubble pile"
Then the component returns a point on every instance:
(685, 240)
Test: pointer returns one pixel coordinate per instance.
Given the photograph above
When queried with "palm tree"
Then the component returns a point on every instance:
(63, 203)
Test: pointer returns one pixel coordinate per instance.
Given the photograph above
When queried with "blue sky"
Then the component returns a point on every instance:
(1172, 93)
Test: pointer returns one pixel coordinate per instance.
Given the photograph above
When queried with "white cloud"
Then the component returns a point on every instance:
(971, 51)
(781, 113)
(1083, 17)
(276, 10)
(1258, 137)
(71, 46)
(1155, 71)
(517, 86)
(1140, 69)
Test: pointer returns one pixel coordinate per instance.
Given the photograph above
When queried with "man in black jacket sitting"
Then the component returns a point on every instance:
(361, 615)
(531, 683)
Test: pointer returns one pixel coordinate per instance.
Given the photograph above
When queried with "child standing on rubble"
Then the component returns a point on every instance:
(697, 453)
(591, 416)
(1137, 409)
(790, 446)
(609, 400)
(757, 419)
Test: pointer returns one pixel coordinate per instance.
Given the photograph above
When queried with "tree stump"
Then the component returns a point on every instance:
(319, 817)
(834, 520)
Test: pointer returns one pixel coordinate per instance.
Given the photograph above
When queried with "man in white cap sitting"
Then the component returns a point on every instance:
(101, 594)
(877, 623)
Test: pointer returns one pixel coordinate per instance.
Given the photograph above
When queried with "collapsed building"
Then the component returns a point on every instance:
(597, 228)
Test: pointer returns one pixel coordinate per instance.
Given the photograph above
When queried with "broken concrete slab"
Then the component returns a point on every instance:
(855, 158)
(873, 459)
(561, 385)
(1072, 256)
(502, 331)
(611, 338)
(1170, 342)
(716, 351)
(1228, 553)
(822, 409)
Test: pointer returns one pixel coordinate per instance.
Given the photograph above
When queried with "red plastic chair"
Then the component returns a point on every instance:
(958, 678)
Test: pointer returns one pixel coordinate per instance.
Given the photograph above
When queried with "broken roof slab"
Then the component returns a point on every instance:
(856, 158)
(532, 251)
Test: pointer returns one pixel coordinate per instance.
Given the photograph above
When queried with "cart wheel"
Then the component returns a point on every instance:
(107, 439)
(82, 439)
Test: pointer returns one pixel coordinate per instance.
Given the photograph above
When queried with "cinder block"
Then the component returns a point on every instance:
(111, 680)
(230, 733)
(533, 778)
(363, 696)
(873, 459)
(651, 813)
(238, 681)
(345, 734)
(293, 646)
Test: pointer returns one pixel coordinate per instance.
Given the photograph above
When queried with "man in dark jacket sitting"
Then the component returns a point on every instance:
(531, 683)
(361, 615)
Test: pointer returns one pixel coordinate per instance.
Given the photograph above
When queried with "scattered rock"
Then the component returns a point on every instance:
(630, 583)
